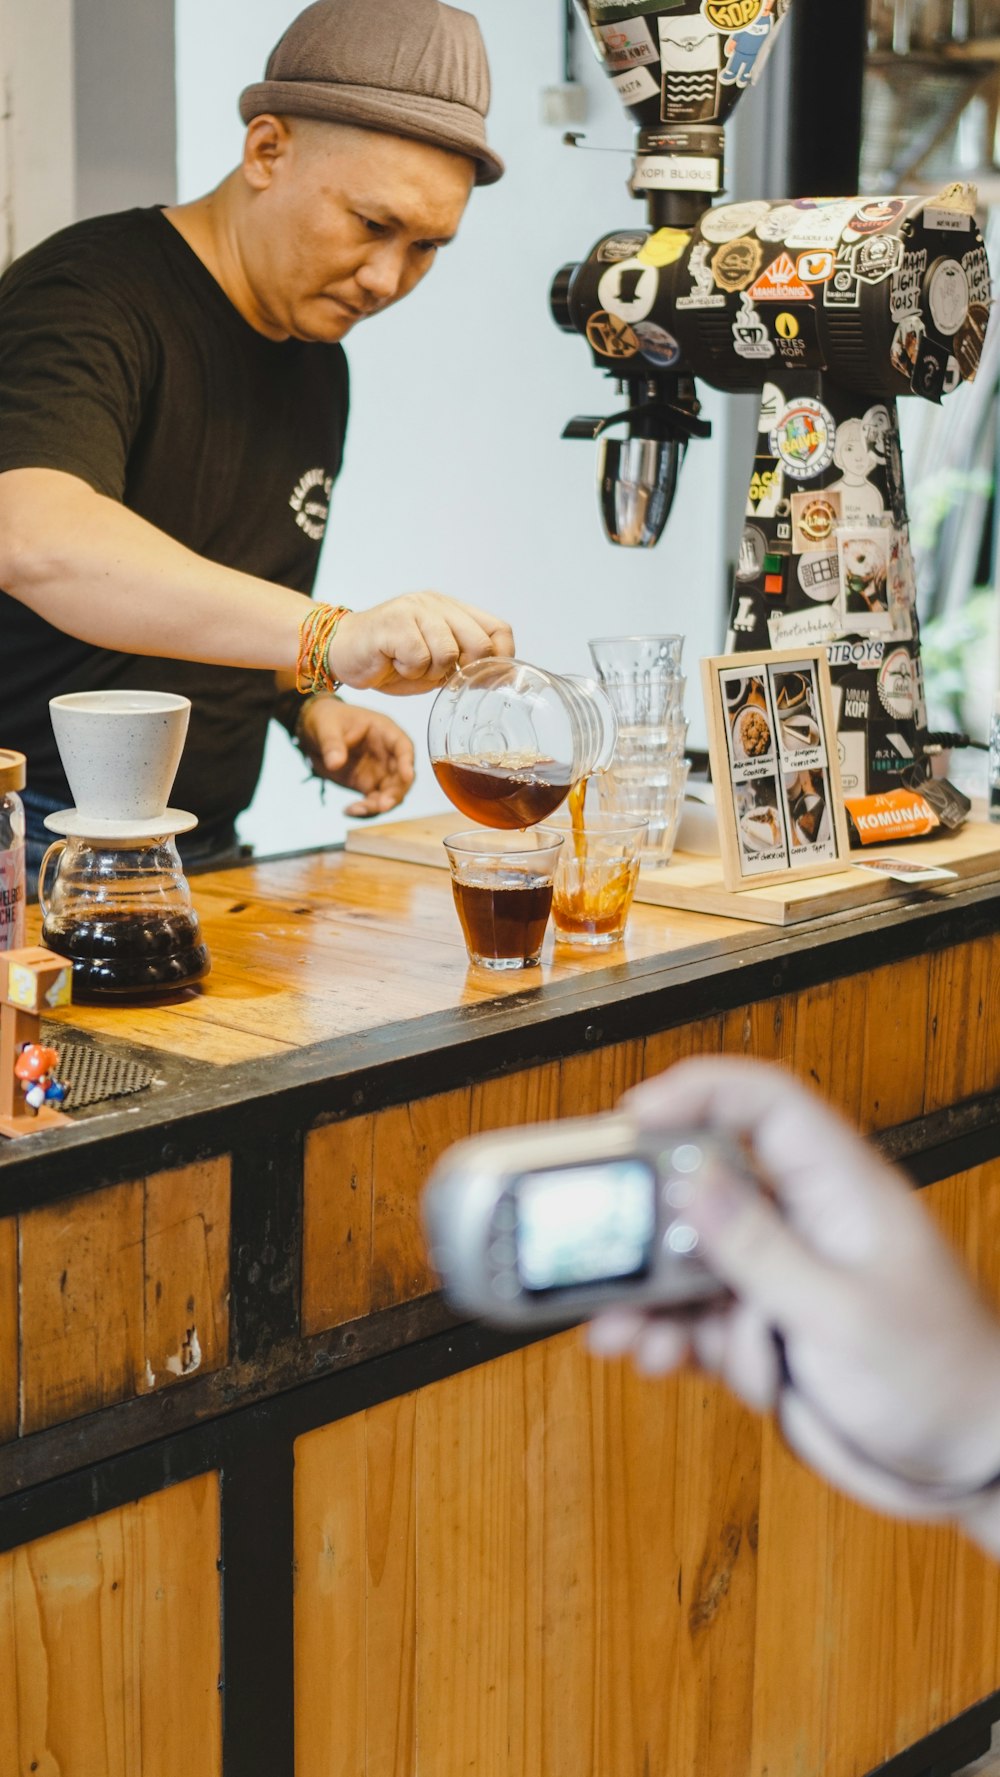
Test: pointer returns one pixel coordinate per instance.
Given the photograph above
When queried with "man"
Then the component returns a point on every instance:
(173, 400)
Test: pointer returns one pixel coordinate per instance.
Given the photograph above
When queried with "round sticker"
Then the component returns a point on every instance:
(897, 684)
(819, 576)
(818, 519)
(753, 549)
(787, 326)
(628, 290)
(730, 15)
(735, 265)
(610, 337)
(948, 296)
(620, 246)
(664, 247)
(732, 219)
(778, 223)
(803, 439)
(876, 213)
(656, 344)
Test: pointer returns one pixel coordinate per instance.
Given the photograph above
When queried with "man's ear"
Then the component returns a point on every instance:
(267, 140)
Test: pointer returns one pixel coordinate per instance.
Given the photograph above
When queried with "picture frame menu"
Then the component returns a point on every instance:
(773, 746)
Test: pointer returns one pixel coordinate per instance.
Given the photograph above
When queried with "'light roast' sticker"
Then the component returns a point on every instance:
(803, 439)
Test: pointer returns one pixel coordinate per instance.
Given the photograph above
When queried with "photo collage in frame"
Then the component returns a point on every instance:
(778, 791)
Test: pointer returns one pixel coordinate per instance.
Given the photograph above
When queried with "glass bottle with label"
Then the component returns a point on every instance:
(12, 774)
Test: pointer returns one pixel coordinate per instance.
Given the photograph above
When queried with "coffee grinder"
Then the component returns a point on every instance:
(831, 309)
(119, 906)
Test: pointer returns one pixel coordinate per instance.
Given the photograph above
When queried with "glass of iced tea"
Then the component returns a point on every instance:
(595, 879)
(502, 883)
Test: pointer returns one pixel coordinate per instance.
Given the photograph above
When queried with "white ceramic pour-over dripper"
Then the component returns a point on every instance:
(120, 751)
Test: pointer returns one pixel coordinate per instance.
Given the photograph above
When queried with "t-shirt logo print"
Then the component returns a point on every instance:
(310, 502)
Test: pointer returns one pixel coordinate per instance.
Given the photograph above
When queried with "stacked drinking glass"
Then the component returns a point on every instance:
(646, 778)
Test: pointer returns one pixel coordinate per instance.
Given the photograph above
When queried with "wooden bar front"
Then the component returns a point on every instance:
(266, 1509)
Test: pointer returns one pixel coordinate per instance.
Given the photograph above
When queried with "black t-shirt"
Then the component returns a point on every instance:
(123, 362)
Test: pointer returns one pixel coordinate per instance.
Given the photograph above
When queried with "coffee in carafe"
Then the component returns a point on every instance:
(505, 792)
(121, 911)
(117, 902)
(508, 741)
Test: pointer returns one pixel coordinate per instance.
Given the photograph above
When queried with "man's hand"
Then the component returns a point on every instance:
(893, 1388)
(412, 643)
(360, 749)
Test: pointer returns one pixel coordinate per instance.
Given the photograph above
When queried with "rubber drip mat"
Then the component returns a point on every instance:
(92, 1075)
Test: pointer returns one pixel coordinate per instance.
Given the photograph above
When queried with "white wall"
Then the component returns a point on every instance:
(126, 143)
(37, 153)
(456, 476)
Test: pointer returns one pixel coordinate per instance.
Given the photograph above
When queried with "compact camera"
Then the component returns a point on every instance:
(555, 1223)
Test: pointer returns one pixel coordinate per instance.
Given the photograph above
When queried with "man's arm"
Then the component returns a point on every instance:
(98, 571)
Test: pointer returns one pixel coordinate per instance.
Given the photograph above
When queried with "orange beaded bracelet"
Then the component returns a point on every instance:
(316, 632)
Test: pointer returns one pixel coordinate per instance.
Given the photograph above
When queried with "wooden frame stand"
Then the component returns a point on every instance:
(30, 980)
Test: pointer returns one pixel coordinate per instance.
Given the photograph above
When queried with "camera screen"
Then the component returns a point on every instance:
(585, 1224)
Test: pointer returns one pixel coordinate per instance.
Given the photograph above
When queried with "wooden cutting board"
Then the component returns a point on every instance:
(695, 883)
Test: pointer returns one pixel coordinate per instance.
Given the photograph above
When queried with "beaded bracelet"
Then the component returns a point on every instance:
(316, 633)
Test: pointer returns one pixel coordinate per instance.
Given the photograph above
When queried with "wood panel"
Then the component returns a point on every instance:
(110, 1643)
(82, 1292)
(408, 1139)
(595, 1081)
(355, 1599)
(895, 1042)
(516, 1099)
(603, 1573)
(561, 1571)
(123, 1291)
(8, 1329)
(338, 1173)
(186, 1271)
(963, 1051)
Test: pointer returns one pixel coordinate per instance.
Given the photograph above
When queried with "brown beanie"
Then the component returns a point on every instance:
(413, 68)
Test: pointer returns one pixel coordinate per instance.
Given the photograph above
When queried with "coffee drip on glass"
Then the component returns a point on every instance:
(118, 904)
(508, 741)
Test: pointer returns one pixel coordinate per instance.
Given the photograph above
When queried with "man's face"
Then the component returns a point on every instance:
(343, 222)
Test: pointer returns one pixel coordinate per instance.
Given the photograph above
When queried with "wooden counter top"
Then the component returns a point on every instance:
(342, 981)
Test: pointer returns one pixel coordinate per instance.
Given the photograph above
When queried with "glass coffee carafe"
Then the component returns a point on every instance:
(508, 741)
(121, 910)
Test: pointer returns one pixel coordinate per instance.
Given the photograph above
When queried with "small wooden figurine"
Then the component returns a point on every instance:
(32, 981)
